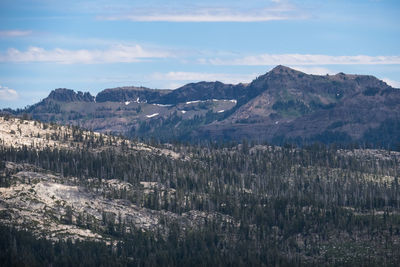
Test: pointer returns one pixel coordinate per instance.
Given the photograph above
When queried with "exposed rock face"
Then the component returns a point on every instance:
(54, 206)
(68, 95)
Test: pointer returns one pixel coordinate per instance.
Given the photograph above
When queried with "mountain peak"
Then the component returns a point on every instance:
(68, 95)
(283, 69)
(280, 72)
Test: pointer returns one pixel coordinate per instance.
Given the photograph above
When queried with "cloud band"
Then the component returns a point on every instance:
(305, 59)
(115, 54)
(8, 94)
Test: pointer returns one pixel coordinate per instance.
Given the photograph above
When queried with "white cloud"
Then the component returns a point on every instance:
(14, 33)
(8, 94)
(306, 59)
(117, 53)
(395, 84)
(277, 11)
(201, 76)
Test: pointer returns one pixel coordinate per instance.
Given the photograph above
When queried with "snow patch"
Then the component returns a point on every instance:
(183, 111)
(194, 101)
(213, 100)
(127, 103)
(163, 105)
(152, 115)
(220, 111)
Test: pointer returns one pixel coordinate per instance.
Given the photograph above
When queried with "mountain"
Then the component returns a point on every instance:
(72, 197)
(283, 105)
(293, 105)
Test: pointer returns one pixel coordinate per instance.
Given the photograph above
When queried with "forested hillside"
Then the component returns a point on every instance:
(74, 197)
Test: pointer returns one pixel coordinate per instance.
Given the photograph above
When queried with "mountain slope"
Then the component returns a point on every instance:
(296, 105)
(203, 91)
(283, 105)
(57, 203)
(123, 94)
(66, 192)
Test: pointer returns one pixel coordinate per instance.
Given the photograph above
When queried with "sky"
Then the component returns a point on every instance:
(94, 45)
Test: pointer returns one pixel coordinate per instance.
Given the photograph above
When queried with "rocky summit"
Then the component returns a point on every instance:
(68, 95)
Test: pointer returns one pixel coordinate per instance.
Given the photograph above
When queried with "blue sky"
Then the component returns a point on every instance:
(93, 45)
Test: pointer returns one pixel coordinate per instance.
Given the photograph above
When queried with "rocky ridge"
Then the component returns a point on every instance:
(283, 105)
